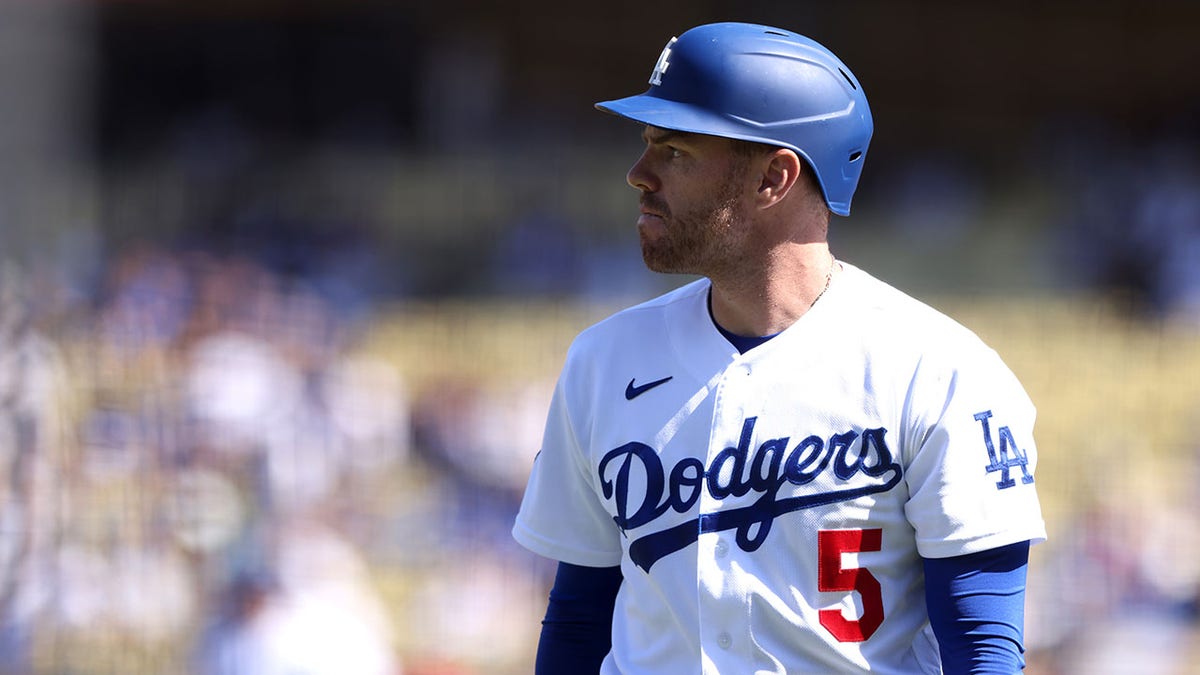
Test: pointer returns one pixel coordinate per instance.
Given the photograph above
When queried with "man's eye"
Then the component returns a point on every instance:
(674, 152)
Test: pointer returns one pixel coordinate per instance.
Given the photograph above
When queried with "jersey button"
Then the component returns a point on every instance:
(723, 640)
(722, 548)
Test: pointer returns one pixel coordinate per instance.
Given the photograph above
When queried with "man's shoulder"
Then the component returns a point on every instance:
(637, 332)
(905, 315)
(674, 305)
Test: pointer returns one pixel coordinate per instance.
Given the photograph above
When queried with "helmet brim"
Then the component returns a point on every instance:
(667, 114)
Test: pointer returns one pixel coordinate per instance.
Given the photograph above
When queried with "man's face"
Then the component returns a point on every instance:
(695, 198)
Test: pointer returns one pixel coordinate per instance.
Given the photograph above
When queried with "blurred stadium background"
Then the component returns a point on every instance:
(284, 288)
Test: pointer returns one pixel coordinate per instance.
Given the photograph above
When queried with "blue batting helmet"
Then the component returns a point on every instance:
(765, 85)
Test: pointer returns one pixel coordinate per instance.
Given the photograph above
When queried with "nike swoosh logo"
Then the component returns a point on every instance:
(632, 391)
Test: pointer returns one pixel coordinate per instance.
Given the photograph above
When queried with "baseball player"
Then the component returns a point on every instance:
(786, 466)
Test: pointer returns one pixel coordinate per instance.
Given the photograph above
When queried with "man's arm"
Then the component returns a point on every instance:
(577, 630)
(977, 609)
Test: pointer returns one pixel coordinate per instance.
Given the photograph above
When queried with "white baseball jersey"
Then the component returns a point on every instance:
(769, 510)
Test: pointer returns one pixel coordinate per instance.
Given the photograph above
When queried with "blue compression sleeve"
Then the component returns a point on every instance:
(577, 630)
(977, 609)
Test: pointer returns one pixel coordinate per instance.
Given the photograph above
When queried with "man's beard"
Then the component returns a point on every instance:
(700, 240)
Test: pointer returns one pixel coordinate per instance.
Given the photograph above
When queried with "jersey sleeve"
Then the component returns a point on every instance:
(561, 516)
(972, 459)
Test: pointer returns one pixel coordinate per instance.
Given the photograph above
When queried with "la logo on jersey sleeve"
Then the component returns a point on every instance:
(998, 456)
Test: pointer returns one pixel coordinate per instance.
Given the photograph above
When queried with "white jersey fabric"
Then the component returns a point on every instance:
(769, 510)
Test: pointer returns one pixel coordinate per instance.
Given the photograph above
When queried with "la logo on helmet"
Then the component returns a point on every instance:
(662, 65)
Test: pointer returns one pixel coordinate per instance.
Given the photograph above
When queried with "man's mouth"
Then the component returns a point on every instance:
(648, 208)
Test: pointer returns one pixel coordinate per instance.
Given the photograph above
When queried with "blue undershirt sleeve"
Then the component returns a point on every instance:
(977, 609)
(577, 631)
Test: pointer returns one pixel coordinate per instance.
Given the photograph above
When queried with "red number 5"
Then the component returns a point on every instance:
(832, 577)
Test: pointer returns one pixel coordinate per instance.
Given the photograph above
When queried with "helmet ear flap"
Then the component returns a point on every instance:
(763, 85)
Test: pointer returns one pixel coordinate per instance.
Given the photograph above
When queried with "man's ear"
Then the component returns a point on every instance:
(780, 172)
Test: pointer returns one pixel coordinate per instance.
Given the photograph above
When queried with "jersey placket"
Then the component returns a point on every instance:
(722, 604)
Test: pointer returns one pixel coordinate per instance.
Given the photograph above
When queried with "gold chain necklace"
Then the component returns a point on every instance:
(828, 280)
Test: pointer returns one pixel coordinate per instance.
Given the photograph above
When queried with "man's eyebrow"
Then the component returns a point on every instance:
(659, 136)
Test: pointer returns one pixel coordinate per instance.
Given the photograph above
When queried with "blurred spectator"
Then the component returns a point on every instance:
(310, 613)
(33, 384)
(242, 638)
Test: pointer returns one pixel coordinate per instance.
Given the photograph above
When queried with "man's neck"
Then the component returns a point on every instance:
(767, 300)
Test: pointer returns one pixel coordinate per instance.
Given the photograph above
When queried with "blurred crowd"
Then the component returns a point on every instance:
(202, 471)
